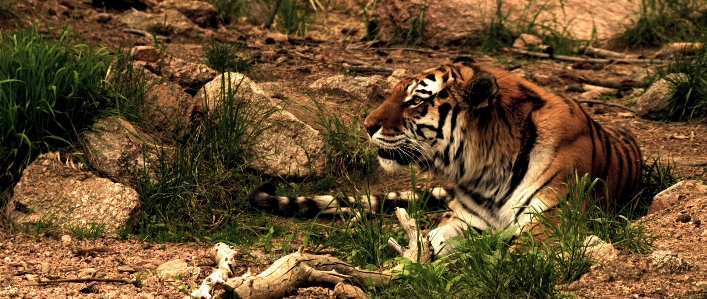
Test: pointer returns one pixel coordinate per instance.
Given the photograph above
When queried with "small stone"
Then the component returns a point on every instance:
(45, 268)
(697, 222)
(126, 269)
(684, 218)
(31, 277)
(103, 18)
(87, 272)
(66, 239)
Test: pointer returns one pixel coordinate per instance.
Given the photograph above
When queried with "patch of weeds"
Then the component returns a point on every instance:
(203, 178)
(370, 19)
(49, 91)
(229, 9)
(348, 151)
(411, 33)
(7, 8)
(496, 34)
(656, 176)
(90, 231)
(500, 32)
(663, 21)
(293, 17)
(231, 57)
(686, 75)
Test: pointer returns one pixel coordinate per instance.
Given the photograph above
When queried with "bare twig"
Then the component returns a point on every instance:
(56, 281)
(607, 104)
(579, 59)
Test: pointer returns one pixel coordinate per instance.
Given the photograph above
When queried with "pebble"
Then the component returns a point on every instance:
(126, 269)
(684, 218)
(66, 239)
(45, 268)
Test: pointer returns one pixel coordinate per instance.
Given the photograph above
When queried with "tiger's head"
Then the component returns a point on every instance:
(425, 114)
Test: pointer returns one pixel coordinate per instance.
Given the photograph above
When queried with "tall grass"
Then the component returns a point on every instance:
(229, 9)
(230, 57)
(499, 31)
(663, 21)
(293, 17)
(688, 79)
(49, 91)
(348, 151)
(204, 183)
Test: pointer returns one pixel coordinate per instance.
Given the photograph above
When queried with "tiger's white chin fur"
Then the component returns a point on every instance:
(390, 165)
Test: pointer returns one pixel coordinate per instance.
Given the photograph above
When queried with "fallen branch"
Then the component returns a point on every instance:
(580, 59)
(299, 269)
(56, 281)
(287, 273)
(607, 104)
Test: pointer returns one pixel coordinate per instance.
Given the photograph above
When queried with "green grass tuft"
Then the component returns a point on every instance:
(689, 100)
(293, 17)
(229, 9)
(227, 57)
(90, 231)
(49, 91)
(663, 21)
(204, 182)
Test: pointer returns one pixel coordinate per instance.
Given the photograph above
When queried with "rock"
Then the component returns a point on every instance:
(87, 272)
(653, 104)
(344, 290)
(667, 262)
(525, 41)
(189, 75)
(201, 13)
(171, 22)
(126, 269)
(287, 146)
(121, 151)
(447, 21)
(675, 193)
(125, 4)
(44, 268)
(395, 78)
(167, 106)
(357, 88)
(66, 239)
(177, 269)
(49, 191)
(103, 17)
(598, 250)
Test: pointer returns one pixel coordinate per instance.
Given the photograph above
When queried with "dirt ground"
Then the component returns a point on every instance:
(294, 65)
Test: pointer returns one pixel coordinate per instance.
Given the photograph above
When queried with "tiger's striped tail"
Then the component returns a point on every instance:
(265, 199)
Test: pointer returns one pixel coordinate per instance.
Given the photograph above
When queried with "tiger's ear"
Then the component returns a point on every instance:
(480, 90)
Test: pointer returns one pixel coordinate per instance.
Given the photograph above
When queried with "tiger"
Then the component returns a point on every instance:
(503, 143)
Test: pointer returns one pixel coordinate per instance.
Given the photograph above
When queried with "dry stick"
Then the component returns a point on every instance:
(614, 84)
(55, 281)
(579, 59)
(607, 104)
(368, 69)
(273, 12)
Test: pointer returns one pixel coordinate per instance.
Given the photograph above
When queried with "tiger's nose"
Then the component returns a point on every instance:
(372, 129)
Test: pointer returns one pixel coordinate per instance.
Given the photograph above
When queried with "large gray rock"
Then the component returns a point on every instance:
(453, 20)
(50, 191)
(357, 88)
(681, 191)
(653, 104)
(189, 75)
(121, 151)
(201, 13)
(287, 146)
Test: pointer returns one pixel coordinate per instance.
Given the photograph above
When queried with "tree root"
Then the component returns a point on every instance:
(299, 269)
